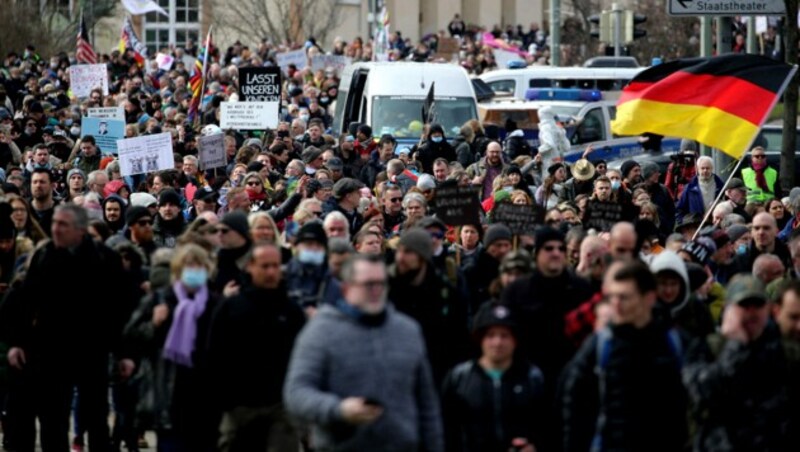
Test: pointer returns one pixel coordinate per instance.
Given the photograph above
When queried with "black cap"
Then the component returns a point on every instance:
(312, 232)
(136, 213)
(345, 186)
(169, 196)
(492, 314)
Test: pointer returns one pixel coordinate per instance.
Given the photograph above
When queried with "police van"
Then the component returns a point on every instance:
(515, 83)
(390, 98)
(585, 116)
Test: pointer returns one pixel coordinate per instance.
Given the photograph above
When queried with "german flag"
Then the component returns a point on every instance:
(720, 102)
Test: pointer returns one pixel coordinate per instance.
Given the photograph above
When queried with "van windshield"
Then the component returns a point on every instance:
(402, 116)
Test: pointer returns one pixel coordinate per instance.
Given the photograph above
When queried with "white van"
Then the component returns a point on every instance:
(389, 97)
(515, 82)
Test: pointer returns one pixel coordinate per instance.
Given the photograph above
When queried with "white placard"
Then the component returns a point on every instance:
(249, 115)
(296, 57)
(212, 151)
(107, 113)
(337, 62)
(145, 154)
(83, 78)
(164, 61)
(502, 57)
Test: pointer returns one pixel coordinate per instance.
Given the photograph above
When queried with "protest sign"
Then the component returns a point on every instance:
(117, 113)
(260, 84)
(457, 206)
(503, 57)
(337, 62)
(520, 218)
(83, 78)
(603, 215)
(106, 132)
(212, 151)
(448, 45)
(249, 115)
(164, 61)
(296, 57)
(145, 154)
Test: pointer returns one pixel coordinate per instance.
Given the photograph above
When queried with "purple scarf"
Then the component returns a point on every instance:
(182, 334)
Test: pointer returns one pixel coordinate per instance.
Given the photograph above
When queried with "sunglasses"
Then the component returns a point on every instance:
(437, 235)
(395, 199)
(759, 156)
(252, 183)
(551, 248)
(144, 223)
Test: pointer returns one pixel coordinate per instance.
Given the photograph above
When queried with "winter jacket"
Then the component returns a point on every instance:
(431, 151)
(337, 356)
(479, 276)
(464, 152)
(303, 282)
(483, 415)
(687, 312)
(166, 232)
(623, 392)
(516, 145)
(744, 262)
(745, 395)
(691, 200)
(354, 219)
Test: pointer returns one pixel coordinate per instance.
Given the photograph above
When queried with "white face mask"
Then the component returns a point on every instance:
(75, 131)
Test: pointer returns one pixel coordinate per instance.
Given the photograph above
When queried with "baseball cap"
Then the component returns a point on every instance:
(746, 290)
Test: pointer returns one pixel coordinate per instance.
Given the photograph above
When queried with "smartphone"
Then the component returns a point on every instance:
(283, 134)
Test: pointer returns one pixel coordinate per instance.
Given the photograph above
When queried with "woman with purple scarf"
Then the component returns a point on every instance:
(170, 329)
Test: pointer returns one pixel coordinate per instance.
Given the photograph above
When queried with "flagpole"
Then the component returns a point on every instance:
(749, 144)
(203, 75)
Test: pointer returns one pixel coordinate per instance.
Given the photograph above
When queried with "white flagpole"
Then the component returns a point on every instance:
(746, 150)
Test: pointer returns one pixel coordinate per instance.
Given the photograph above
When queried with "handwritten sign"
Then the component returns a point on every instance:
(145, 154)
(249, 115)
(83, 78)
(521, 219)
(296, 57)
(106, 132)
(458, 206)
(117, 113)
(212, 151)
(603, 215)
(164, 61)
(337, 62)
(260, 84)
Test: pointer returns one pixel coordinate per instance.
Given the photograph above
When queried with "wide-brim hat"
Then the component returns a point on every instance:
(582, 170)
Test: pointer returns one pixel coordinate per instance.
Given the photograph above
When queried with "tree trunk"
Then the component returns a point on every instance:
(789, 141)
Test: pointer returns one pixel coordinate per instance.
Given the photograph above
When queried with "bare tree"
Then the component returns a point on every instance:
(45, 25)
(283, 21)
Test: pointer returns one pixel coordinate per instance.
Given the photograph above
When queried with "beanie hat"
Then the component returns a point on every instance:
(418, 241)
(650, 168)
(312, 232)
(627, 167)
(74, 171)
(497, 231)
(551, 170)
(426, 182)
(700, 249)
(546, 234)
(697, 276)
(492, 314)
(169, 196)
(238, 222)
(142, 199)
(736, 231)
(365, 129)
(135, 213)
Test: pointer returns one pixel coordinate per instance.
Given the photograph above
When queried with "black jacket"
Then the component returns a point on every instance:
(252, 336)
(483, 416)
(479, 276)
(625, 394)
(431, 151)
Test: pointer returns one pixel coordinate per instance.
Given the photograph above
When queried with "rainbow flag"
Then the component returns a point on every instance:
(198, 79)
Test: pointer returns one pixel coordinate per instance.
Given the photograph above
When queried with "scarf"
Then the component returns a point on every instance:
(369, 320)
(256, 196)
(761, 181)
(183, 333)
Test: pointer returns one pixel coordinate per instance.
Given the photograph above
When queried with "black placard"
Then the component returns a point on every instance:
(521, 219)
(603, 215)
(259, 84)
(457, 206)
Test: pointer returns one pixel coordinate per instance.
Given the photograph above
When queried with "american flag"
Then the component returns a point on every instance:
(85, 53)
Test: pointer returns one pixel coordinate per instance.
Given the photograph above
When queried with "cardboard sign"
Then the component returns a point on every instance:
(260, 84)
(249, 115)
(521, 219)
(457, 206)
(106, 132)
(448, 45)
(117, 113)
(297, 57)
(212, 151)
(145, 154)
(83, 78)
(603, 215)
(337, 62)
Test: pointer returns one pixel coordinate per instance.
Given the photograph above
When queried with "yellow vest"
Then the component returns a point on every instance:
(754, 192)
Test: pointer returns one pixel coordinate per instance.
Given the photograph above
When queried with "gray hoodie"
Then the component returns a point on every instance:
(669, 261)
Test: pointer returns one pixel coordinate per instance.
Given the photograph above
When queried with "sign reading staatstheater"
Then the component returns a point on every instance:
(725, 7)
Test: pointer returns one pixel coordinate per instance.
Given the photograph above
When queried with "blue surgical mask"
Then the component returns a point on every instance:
(305, 117)
(509, 188)
(68, 122)
(194, 277)
(312, 257)
(436, 139)
(741, 249)
(615, 184)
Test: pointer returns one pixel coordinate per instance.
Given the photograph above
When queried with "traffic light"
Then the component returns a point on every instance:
(604, 31)
(631, 21)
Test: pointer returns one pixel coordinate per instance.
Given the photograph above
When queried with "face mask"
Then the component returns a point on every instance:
(741, 249)
(615, 184)
(68, 122)
(508, 189)
(53, 65)
(30, 130)
(305, 117)
(75, 131)
(436, 139)
(325, 100)
(311, 257)
(194, 277)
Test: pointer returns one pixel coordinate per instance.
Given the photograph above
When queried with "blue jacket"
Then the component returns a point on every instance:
(691, 200)
(787, 231)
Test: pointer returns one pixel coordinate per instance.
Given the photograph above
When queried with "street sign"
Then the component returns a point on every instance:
(725, 7)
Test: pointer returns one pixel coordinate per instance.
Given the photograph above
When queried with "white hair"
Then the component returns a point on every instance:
(705, 158)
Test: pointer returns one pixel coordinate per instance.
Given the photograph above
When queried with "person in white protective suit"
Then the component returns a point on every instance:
(553, 141)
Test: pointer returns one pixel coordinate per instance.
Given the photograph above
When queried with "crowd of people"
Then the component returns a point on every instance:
(307, 294)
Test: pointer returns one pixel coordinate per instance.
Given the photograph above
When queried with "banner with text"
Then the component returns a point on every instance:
(521, 219)
(457, 206)
(212, 151)
(259, 84)
(336, 62)
(83, 78)
(249, 115)
(296, 57)
(106, 132)
(145, 154)
(107, 113)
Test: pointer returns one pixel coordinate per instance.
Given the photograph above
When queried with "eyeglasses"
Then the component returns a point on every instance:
(371, 285)
(758, 156)
(551, 248)
(395, 199)
(144, 222)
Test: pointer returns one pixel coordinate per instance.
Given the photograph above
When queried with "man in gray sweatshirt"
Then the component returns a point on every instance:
(359, 372)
